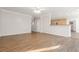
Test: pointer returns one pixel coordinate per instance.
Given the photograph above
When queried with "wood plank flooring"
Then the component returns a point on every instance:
(35, 42)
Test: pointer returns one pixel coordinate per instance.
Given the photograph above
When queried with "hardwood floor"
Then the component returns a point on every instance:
(37, 42)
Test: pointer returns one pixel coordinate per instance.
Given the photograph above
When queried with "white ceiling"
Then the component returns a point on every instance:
(52, 10)
(25, 10)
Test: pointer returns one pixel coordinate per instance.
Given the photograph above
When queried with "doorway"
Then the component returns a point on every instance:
(34, 24)
(73, 26)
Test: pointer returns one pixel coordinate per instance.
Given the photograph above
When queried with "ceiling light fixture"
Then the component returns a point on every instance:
(38, 9)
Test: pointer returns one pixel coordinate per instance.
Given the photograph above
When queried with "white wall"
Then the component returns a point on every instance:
(44, 26)
(77, 24)
(14, 23)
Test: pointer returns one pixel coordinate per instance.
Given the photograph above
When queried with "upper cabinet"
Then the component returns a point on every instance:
(62, 21)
